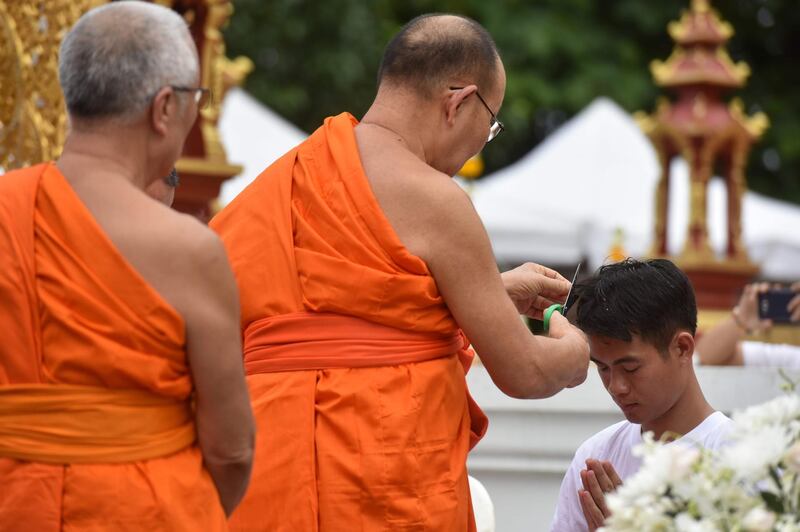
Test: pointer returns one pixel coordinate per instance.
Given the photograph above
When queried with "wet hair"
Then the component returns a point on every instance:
(434, 50)
(652, 299)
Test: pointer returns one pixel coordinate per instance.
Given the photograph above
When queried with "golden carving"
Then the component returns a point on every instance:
(32, 115)
(755, 125)
(687, 28)
(670, 72)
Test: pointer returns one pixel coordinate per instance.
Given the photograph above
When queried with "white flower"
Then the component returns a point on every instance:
(751, 455)
(792, 458)
(682, 488)
(686, 523)
(780, 411)
(683, 458)
(788, 523)
(758, 520)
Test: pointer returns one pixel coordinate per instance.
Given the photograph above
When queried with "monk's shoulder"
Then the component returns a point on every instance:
(427, 209)
(436, 196)
(197, 243)
(417, 184)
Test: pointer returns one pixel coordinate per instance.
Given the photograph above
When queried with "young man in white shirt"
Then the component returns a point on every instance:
(640, 318)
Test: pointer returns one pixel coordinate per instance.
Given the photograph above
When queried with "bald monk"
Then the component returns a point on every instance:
(123, 404)
(363, 269)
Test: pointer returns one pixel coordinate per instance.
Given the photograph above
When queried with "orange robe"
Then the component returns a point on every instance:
(96, 427)
(355, 365)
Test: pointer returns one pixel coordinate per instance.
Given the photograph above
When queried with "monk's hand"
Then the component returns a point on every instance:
(562, 329)
(794, 304)
(533, 287)
(599, 478)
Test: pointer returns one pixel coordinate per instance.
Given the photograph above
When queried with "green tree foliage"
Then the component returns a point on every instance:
(319, 58)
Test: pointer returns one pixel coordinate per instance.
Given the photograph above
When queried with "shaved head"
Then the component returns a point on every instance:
(433, 50)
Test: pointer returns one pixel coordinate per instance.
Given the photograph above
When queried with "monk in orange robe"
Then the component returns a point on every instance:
(361, 266)
(123, 404)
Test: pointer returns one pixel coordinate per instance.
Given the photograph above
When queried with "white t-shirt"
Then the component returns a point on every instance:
(770, 355)
(615, 444)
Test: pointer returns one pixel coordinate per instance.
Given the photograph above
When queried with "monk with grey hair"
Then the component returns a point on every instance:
(363, 269)
(123, 404)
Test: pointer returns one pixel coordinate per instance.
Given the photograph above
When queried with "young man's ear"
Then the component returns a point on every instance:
(682, 346)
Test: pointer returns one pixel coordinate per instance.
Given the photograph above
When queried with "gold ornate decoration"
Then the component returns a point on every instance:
(32, 117)
(32, 114)
(708, 133)
(706, 27)
(617, 251)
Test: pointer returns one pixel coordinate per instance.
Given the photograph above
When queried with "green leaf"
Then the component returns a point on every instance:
(773, 501)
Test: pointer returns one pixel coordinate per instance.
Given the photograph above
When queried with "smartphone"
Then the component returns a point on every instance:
(773, 305)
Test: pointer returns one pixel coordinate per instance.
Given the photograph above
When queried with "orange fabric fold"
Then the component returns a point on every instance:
(68, 424)
(308, 340)
(355, 364)
(96, 431)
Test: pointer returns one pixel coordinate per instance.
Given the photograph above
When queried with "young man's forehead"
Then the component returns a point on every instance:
(613, 351)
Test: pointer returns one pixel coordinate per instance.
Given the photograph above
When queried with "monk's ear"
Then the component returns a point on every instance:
(163, 107)
(682, 346)
(454, 99)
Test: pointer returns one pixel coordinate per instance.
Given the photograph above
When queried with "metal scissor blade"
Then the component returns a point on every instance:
(571, 295)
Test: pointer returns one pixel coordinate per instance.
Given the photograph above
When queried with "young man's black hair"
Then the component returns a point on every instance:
(652, 299)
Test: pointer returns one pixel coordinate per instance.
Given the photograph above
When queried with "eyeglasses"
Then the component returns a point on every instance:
(202, 96)
(495, 126)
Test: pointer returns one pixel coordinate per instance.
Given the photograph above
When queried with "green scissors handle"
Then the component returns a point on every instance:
(558, 307)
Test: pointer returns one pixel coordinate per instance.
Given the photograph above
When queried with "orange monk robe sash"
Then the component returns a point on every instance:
(68, 424)
(325, 283)
(307, 340)
(93, 374)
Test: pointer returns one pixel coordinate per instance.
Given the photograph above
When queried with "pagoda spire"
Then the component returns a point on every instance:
(700, 56)
(710, 134)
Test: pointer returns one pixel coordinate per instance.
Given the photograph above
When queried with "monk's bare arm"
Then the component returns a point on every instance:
(459, 254)
(224, 419)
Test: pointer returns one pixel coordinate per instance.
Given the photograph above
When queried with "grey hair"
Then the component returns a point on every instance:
(118, 56)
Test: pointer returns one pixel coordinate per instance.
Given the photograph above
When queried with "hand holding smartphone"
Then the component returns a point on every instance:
(774, 305)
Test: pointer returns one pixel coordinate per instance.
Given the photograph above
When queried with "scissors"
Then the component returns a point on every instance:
(558, 307)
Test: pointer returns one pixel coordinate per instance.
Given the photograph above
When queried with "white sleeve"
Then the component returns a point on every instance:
(568, 516)
(771, 355)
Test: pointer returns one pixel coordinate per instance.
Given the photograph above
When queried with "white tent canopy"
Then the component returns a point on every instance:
(253, 136)
(564, 200)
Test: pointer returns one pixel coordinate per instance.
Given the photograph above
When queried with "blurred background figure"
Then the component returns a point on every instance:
(730, 343)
